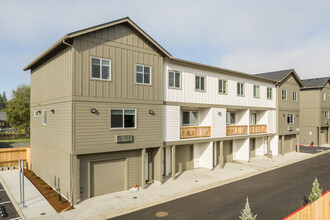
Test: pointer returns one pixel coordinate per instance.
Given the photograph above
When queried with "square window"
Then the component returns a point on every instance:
(174, 79)
(189, 118)
(200, 83)
(123, 118)
(231, 118)
(101, 69)
(143, 74)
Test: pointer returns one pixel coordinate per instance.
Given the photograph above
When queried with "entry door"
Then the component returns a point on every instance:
(107, 176)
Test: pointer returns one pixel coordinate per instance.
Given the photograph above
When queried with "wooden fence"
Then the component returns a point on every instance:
(320, 209)
(9, 156)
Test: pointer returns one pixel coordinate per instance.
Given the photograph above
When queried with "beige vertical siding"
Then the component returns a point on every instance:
(52, 79)
(125, 48)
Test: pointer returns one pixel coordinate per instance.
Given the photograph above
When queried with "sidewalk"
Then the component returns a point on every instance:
(35, 203)
(187, 183)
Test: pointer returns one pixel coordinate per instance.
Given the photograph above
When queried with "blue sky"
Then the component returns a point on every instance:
(251, 36)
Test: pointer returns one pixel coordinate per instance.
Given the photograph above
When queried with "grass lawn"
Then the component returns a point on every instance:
(15, 141)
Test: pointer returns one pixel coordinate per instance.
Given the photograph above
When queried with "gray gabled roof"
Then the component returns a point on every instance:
(316, 82)
(280, 75)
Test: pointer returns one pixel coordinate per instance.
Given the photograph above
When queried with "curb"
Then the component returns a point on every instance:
(124, 211)
(12, 199)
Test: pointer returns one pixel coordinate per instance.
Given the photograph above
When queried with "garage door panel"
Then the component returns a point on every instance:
(183, 158)
(289, 143)
(107, 176)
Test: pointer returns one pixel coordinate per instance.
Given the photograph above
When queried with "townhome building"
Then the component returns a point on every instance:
(314, 111)
(111, 108)
(213, 116)
(288, 85)
(97, 110)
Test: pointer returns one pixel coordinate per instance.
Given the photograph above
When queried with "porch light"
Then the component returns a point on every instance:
(220, 113)
(52, 111)
(151, 112)
(94, 111)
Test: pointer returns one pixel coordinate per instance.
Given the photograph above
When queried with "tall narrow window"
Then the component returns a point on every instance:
(284, 93)
(123, 118)
(326, 114)
(253, 118)
(44, 117)
(189, 118)
(256, 91)
(269, 93)
(289, 118)
(222, 86)
(294, 96)
(240, 89)
(101, 69)
(324, 96)
(231, 118)
(200, 83)
(174, 79)
(143, 74)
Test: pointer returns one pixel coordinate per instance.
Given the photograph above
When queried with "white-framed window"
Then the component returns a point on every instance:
(240, 89)
(256, 91)
(44, 117)
(284, 94)
(231, 118)
(326, 114)
(101, 68)
(143, 74)
(174, 79)
(123, 118)
(290, 118)
(222, 86)
(324, 96)
(269, 93)
(253, 119)
(200, 83)
(189, 118)
(294, 96)
(36, 113)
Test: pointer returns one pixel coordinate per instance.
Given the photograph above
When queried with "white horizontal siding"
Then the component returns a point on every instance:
(187, 92)
(218, 128)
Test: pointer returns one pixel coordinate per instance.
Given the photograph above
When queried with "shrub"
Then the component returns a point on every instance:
(316, 191)
(47, 187)
(246, 213)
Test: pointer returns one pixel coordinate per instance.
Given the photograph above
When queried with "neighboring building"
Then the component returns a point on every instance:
(3, 120)
(111, 108)
(214, 115)
(288, 85)
(314, 111)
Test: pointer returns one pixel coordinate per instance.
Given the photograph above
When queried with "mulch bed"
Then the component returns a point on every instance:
(48, 192)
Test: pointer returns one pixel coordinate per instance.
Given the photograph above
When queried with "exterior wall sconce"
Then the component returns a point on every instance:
(297, 116)
(151, 112)
(220, 114)
(39, 111)
(52, 111)
(94, 111)
(283, 115)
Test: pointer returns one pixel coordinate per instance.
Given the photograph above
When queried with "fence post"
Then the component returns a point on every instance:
(20, 180)
(23, 183)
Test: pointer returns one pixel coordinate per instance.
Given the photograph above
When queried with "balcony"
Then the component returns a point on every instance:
(236, 129)
(254, 129)
(195, 132)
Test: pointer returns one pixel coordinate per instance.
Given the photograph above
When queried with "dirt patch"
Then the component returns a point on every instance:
(48, 192)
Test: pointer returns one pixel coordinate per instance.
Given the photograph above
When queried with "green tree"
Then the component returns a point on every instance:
(3, 100)
(18, 109)
(316, 192)
(246, 213)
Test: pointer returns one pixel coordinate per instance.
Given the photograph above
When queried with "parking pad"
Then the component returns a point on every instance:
(8, 206)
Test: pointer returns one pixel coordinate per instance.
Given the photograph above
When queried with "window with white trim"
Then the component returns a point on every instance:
(294, 96)
(324, 96)
(256, 91)
(174, 79)
(240, 89)
(123, 118)
(269, 93)
(101, 68)
(290, 118)
(326, 114)
(284, 94)
(44, 117)
(222, 86)
(200, 83)
(231, 118)
(189, 118)
(143, 74)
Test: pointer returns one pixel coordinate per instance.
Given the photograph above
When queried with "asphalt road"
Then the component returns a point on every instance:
(272, 195)
(10, 209)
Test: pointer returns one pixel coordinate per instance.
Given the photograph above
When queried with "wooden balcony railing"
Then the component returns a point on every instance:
(258, 129)
(236, 129)
(195, 132)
